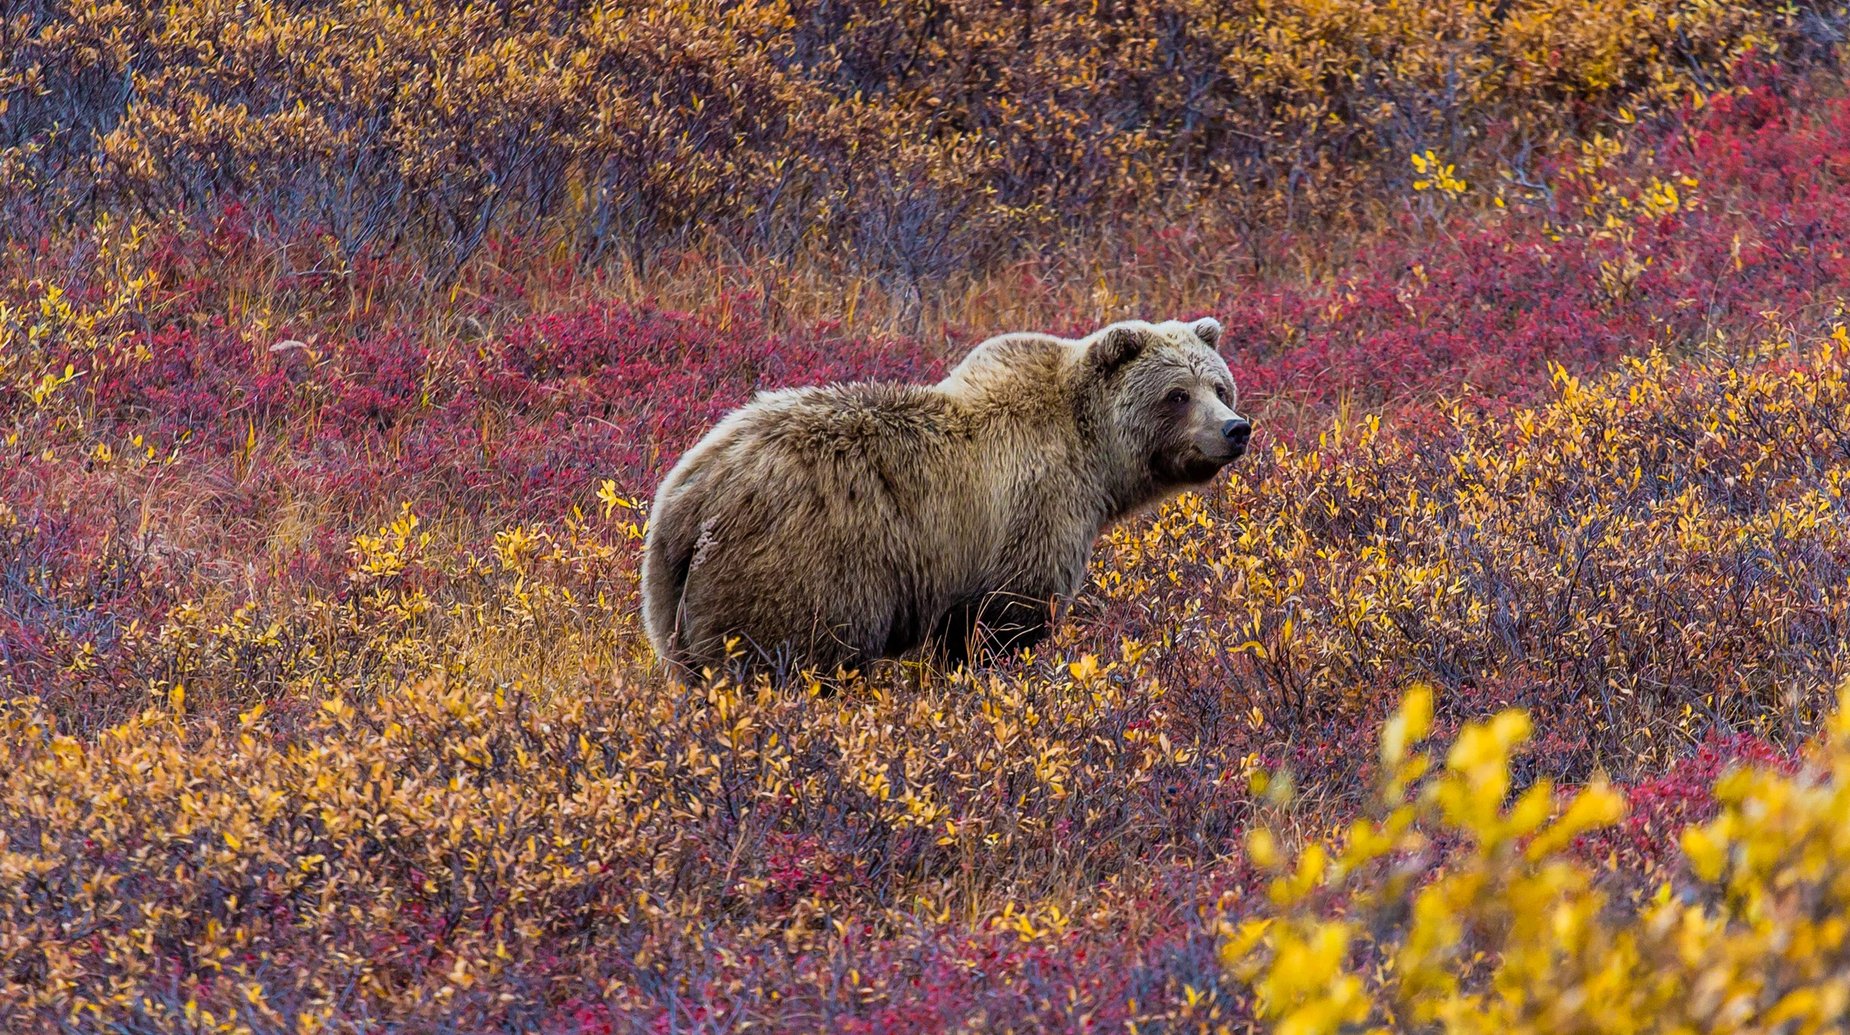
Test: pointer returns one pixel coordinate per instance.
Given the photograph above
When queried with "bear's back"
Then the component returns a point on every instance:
(1011, 366)
(838, 518)
(856, 418)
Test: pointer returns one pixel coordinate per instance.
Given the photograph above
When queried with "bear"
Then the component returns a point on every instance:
(827, 527)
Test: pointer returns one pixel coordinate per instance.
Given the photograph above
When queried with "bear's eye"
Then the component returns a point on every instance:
(1178, 396)
(1220, 392)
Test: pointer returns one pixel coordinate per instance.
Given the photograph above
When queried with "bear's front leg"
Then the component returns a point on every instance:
(993, 626)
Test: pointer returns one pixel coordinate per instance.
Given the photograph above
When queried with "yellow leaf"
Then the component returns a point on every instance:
(1408, 725)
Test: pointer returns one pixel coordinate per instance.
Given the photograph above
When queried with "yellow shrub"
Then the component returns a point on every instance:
(1503, 930)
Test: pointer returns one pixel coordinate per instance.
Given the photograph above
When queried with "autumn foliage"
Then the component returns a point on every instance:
(1499, 688)
(907, 142)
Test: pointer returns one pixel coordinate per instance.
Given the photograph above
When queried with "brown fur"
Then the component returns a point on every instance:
(839, 524)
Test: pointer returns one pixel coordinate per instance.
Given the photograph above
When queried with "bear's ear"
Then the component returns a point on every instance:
(1116, 347)
(1208, 329)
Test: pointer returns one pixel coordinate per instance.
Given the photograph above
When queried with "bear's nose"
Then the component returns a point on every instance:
(1237, 431)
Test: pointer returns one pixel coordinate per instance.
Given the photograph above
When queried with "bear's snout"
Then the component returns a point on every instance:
(1237, 431)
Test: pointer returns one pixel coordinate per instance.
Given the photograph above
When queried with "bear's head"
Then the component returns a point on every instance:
(1162, 402)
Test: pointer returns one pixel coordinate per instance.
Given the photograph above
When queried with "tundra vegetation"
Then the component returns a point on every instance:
(1499, 688)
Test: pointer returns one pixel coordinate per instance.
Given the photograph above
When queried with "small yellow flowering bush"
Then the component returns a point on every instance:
(1458, 906)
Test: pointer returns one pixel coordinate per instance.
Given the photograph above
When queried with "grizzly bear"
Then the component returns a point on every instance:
(834, 525)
